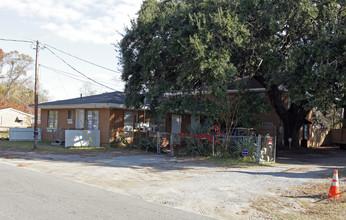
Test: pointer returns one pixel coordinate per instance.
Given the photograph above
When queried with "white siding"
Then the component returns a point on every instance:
(80, 138)
(23, 134)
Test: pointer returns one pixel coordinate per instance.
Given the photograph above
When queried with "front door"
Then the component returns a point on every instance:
(80, 118)
(176, 124)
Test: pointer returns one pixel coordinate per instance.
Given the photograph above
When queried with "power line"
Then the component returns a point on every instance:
(22, 41)
(62, 73)
(78, 70)
(68, 74)
(53, 69)
(62, 85)
(82, 59)
(46, 46)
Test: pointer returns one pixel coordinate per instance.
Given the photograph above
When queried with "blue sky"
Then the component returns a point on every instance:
(83, 28)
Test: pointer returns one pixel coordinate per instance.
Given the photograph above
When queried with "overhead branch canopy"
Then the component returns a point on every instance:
(293, 48)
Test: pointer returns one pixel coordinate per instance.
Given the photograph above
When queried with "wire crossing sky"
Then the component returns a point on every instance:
(81, 33)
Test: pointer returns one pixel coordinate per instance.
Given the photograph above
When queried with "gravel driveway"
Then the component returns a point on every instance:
(192, 185)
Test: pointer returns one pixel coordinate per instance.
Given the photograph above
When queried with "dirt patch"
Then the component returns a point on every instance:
(24, 164)
(309, 201)
(297, 170)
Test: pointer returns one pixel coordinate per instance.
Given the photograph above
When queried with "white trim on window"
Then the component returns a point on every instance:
(80, 119)
(267, 124)
(92, 120)
(52, 119)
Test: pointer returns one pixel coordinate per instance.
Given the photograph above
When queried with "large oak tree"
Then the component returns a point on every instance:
(294, 48)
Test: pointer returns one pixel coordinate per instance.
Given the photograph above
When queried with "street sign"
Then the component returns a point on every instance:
(245, 152)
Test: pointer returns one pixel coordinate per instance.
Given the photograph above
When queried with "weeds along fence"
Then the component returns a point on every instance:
(158, 142)
(262, 147)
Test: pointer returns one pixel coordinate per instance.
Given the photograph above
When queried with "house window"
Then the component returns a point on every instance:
(128, 124)
(70, 117)
(194, 122)
(159, 124)
(128, 121)
(267, 124)
(92, 120)
(70, 114)
(80, 118)
(52, 119)
(306, 131)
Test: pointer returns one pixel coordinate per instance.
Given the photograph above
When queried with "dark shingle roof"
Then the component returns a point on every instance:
(249, 83)
(111, 98)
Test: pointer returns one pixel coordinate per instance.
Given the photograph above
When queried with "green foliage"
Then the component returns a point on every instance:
(294, 48)
(198, 142)
(149, 144)
(332, 118)
(244, 143)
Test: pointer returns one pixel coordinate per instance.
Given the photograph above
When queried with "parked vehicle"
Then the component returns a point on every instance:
(245, 132)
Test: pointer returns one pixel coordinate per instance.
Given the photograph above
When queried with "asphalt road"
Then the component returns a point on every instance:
(26, 194)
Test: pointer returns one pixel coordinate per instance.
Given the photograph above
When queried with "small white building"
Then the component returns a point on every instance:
(12, 118)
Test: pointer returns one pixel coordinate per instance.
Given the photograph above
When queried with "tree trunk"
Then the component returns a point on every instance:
(291, 132)
(292, 116)
(293, 119)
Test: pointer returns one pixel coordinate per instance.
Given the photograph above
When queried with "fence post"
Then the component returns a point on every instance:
(258, 154)
(110, 138)
(10, 134)
(275, 150)
(213, 145)
(158, 142)
(171, 144)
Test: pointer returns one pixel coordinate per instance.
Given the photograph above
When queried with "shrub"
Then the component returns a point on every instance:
(149, 144)
(198, 142)
(241, 144)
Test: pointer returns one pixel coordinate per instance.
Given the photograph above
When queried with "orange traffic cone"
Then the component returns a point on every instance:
(334, 188)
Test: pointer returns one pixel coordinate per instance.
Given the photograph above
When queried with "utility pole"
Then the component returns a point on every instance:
(36, 96)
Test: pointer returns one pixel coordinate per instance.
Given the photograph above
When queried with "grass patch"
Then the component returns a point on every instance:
(307, 202)
(46, 147)
(228, 161)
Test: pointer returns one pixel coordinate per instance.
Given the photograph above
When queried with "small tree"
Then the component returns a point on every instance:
(16, 89)
(87, 89)
(16, 66)
(219, 107)
(239, 109)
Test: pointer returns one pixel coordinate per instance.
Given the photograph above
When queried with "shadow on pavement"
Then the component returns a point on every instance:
(160, 163)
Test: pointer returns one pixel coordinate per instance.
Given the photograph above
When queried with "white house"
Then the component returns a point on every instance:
(12, 118)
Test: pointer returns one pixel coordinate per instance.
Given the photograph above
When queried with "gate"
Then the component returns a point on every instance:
(266, 149)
